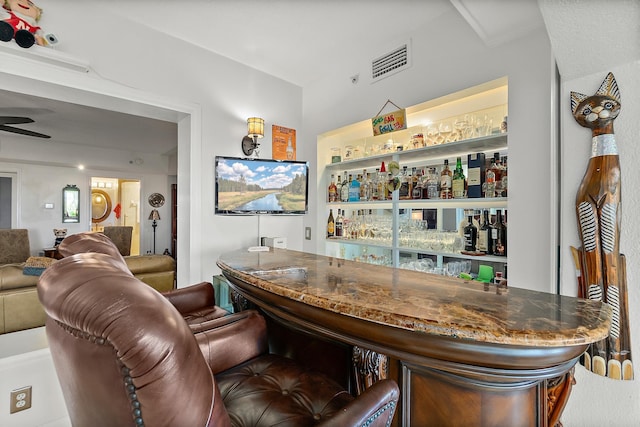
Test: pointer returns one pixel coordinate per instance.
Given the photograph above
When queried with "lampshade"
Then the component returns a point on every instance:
(154, 215)
(255, 127)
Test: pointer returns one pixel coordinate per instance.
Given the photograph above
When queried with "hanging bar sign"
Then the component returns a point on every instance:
(389, 122)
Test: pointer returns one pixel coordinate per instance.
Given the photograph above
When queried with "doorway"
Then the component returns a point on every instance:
(114, 202)
(8, 200)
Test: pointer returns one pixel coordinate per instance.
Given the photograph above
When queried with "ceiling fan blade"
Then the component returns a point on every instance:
(23, 131)
(10, 120)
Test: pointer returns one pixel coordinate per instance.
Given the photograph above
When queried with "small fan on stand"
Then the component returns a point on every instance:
(5, 121)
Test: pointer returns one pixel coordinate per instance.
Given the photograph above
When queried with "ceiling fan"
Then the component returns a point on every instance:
(9, 120)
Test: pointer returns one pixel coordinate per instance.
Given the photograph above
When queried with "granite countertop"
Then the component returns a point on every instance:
(422, 302)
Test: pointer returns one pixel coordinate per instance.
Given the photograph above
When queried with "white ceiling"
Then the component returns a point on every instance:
(295, 40)
(81, 125)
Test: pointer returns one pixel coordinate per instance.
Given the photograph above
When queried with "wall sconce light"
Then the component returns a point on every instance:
(255, 129)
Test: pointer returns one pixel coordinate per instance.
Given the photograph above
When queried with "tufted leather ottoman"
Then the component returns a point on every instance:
(273, 390)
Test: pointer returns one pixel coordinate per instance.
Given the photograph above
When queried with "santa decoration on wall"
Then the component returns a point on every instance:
(19, 20)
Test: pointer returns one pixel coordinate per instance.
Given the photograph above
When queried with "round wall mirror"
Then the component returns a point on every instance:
(100, 206)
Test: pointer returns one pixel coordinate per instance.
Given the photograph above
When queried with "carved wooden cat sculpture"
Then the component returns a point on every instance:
(598, 209)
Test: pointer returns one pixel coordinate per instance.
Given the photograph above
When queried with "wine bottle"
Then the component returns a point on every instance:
(470, 236)
(445, 181)
(331, 225)
(339, 223)
(484, 236)
(499, 236)
(458, 182)
(344, 191)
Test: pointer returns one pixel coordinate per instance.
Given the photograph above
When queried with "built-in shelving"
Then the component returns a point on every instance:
(368, 152)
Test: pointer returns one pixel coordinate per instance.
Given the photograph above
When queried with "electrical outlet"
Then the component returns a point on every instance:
(20, 399)
(307, 233)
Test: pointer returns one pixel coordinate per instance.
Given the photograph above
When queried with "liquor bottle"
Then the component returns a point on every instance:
(369, 188)
(416, 191)
(405, 191)
(364, 188)
(339, 188)
(353, 226)
(331, 224)
(484, 235)
(374, 185)
(496, 167)
(489, 185)
(346, 225)
(475, 174)
(499, 234)
(391, 185)
(504, 181)
(339, 224)
(333, 190)
(430, 190)
(382, 183)
(344, 191)
(445, 181)
(458, 180)
(470, 235)
(465, 221)
(354, 190)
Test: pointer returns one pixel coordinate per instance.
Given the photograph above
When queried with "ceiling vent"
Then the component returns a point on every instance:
(390, 63)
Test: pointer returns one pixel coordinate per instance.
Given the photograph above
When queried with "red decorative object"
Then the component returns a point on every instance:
(19, 21)
(117, 210)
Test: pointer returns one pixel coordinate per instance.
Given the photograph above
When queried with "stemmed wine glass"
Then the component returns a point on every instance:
(445, 132)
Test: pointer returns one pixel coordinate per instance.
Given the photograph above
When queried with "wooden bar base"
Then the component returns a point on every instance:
(462, 354)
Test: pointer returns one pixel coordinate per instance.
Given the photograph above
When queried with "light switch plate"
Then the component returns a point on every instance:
(307, 233)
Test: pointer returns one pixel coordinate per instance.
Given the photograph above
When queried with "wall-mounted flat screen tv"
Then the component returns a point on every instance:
(261, 186)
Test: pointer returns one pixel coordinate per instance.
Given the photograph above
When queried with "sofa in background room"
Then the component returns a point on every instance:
(19, 305)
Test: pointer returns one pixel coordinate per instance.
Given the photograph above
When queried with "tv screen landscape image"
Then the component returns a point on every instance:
(260, 186)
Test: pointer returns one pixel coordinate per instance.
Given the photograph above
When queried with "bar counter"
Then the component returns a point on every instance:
(463, 353)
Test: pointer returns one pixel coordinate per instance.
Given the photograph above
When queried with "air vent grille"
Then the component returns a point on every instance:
(391, 63)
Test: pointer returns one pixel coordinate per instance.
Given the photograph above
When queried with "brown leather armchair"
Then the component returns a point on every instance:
(196, 303)
(125, 356)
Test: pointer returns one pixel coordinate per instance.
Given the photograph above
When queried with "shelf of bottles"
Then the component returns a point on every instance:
(380, 186)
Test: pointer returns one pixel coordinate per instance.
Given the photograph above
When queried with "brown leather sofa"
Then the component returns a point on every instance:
(125, 356)
(19, 305)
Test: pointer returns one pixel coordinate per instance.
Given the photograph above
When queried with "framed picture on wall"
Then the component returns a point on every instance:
(283, 143)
